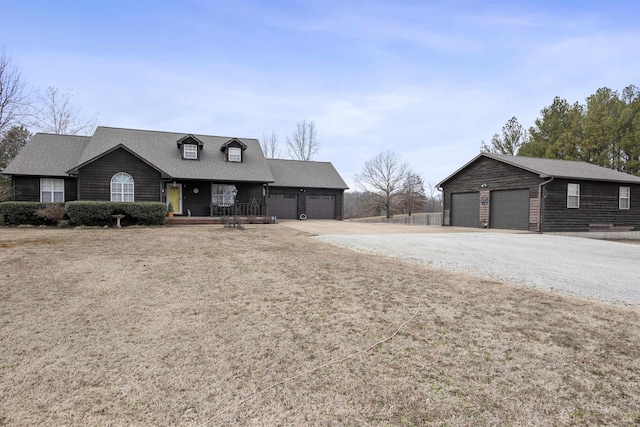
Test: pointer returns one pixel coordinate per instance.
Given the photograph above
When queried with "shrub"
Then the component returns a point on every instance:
(100, 213)
(51, 213)
(24, 213)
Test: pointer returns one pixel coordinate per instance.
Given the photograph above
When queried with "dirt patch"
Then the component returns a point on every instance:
(6, 244)
(189, 325)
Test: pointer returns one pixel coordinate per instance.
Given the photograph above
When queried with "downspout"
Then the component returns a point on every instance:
(442, 210)
(540, 203)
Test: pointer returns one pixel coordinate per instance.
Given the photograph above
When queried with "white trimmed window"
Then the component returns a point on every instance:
(222, 195)
(573, 196)
(51, 190)
(190, 151)
(122, 187)
(625, 198)
(235, 154)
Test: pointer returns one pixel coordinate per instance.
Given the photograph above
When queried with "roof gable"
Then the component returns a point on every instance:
(547, 168)
(233, 142)
(75, 169)
(189, 139)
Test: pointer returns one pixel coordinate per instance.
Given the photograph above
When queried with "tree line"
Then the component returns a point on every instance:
(604, 131)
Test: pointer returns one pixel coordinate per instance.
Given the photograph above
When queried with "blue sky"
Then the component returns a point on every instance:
(425, 79)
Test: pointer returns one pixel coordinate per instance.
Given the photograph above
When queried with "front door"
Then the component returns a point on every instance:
(174, 196)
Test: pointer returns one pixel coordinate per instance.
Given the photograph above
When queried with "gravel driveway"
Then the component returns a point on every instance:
(604, 270)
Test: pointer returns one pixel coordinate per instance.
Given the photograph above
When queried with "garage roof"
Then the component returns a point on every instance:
(297, 173)
(547, 168)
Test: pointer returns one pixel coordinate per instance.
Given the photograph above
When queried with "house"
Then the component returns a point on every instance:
(525, 193)
(200, 175)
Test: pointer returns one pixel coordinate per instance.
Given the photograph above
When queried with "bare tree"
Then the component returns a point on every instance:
(382, 177)
(54, 113)
(434, 199)
(303, 144)
(269, 145)
(412, 196)
(14, 104)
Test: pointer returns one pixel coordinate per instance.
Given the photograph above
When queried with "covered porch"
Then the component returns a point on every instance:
(190, 199)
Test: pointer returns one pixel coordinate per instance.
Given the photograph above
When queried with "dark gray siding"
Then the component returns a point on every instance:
(27, 188)
(70, 189)
(598, 205)
(94, 179)
(198, 203)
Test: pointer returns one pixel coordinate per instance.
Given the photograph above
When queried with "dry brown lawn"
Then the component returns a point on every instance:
(263, 325)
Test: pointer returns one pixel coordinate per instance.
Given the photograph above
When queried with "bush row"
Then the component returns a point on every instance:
(82, 213)
(99, 213)
(17, 213)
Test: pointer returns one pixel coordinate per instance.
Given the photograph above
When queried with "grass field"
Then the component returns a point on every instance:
(266, 326)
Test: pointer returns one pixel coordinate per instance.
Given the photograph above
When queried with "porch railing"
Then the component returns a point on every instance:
(241, 209)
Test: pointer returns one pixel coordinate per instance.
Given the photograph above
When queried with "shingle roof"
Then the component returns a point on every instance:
(296, 173)
(547, 168)
(48, 155)
(159, 150)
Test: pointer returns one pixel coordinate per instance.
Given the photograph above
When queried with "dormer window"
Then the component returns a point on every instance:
(233, 150)
(190, 151)
(190, 147)
(235, 154)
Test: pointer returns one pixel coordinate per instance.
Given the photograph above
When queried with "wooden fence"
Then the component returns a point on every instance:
(434, 218)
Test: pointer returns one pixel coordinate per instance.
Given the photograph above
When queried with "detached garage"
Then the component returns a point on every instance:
(526, 193)
(305, 190)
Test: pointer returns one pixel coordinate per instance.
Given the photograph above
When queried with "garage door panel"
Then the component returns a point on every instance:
(465, 209)
(321, 207)
(510, 209)
(283, 206)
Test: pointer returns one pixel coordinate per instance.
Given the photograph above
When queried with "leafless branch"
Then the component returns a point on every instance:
(303, 144)
(269, 145)
(14, 103)
(54, 113)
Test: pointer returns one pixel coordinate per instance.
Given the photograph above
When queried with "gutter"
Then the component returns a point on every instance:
(442, 191)
(540, 203)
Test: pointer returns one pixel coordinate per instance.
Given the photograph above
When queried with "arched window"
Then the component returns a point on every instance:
(121, 187)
